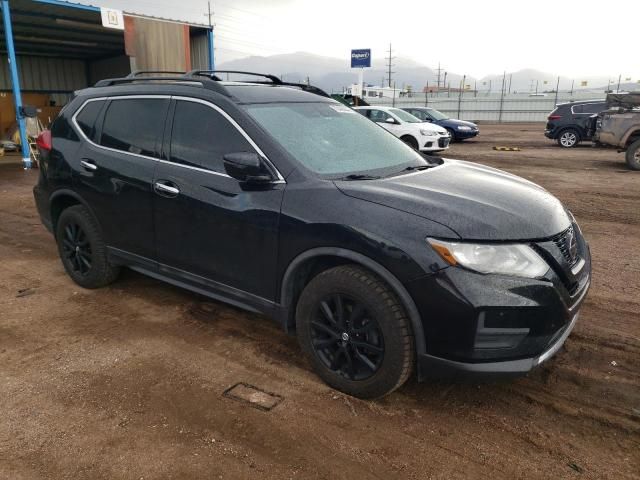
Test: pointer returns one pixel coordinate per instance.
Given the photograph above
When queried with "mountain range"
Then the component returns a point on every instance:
(333, 74)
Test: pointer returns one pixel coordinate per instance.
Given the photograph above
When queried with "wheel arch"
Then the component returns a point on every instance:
(310, 263)
(631, 136)
(62, 199)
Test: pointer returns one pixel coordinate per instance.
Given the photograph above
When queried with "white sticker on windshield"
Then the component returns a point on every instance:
(342, 109)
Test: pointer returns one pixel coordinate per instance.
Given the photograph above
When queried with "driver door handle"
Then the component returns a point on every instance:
(166, 189)
(88, 165)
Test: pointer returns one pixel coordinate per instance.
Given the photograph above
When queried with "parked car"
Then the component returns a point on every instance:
(458, 129)
(409, 129)
(568, 123)
(619, 126)
(284, 202)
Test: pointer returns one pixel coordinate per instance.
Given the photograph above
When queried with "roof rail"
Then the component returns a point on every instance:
(204, 81)
(136, 73)
(274, 80)
(212, 75)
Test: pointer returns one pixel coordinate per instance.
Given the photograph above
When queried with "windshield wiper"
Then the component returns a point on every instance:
(359, 176)
(418, 167)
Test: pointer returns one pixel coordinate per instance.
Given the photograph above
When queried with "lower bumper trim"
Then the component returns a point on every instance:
(441, 368)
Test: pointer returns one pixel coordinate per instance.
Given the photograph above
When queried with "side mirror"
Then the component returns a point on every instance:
(390, 120)
(246, 167)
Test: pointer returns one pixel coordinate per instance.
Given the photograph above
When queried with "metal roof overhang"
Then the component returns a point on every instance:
(60, 29)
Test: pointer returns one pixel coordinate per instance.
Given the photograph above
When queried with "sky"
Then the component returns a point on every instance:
(573, 38)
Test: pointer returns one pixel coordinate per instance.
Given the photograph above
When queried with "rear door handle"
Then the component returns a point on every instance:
(166, 189)
(88, 165)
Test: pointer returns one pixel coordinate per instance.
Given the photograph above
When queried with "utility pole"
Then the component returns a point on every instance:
(619, 78)
(439, 70)
(444, 83)
(504, 78)
(572, 82)
(510, 78)
(209, 16)
(389, 65)
(557, 87)
(464, 79)
(537, 86)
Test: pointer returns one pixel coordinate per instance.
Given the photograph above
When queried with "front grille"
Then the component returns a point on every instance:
(567, 243)
(443, 142)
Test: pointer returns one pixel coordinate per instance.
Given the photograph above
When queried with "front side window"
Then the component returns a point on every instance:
(201, 136)
(333, 140)
(436, 115)
(134, 125)
(404, 116)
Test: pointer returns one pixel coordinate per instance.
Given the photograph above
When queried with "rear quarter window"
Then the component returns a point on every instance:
(87, 117)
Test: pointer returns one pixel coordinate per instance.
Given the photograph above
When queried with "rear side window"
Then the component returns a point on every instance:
(201, 136)
(593, 108)
(87, 117)
(135, 125)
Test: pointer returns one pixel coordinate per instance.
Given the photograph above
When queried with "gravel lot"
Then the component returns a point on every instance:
(127, 381)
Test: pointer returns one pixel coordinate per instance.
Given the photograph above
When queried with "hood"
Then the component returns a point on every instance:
(452, 122)
(477, 202)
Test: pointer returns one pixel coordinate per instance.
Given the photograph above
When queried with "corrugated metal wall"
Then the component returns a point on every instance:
(45, 74)
(199, 52)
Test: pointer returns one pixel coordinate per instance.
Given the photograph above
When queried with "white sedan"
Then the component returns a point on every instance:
(422, 136)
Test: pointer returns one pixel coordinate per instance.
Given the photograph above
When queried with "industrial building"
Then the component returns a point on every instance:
(50, 48)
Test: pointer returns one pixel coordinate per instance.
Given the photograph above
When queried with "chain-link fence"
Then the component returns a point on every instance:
(487, 107)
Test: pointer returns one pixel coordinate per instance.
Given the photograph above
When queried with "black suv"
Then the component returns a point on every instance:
(285, 202)
(569, 123)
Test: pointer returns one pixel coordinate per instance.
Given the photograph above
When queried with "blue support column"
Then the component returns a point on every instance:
(212, 62)
(15, 83)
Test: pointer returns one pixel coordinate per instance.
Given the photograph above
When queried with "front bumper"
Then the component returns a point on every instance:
(465, 134)
(497, 325)
(435, 144)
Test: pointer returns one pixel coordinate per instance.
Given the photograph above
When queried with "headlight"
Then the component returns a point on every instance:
(508, 259)
(429, 133)
(464, 128)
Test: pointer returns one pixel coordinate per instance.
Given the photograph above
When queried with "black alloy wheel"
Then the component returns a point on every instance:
(82, 249)
(346, 338)
(77, 249)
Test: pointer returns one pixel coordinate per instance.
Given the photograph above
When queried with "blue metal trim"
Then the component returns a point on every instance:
(15, 84)
(211, 49)
(78, 6)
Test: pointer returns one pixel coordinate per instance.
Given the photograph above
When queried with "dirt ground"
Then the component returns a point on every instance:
(127, 381)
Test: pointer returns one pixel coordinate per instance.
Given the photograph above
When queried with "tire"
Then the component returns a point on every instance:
(82, 249)
(568, 138)
(633, 155)
(347, 313)
(412, 142)
(453, 135)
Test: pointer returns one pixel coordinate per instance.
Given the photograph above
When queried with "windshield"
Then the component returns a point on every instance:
(437, 115)
(335, 141)
(404, 116)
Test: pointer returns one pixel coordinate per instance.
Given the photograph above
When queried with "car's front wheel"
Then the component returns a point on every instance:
(412, 142)
(633, 155)
(355, 332)
(568, 138)
(82, 249)
(453, 135)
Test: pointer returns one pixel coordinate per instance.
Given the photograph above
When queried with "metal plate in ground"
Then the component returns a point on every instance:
(254, 396)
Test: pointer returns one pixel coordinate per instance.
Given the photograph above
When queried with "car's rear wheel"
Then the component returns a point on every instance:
(568, 138)
(409, 140)
(633, 155)
(82, 249)
(355, 332)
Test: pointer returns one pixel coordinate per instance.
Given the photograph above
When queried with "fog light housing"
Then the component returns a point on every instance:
(500, 329)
